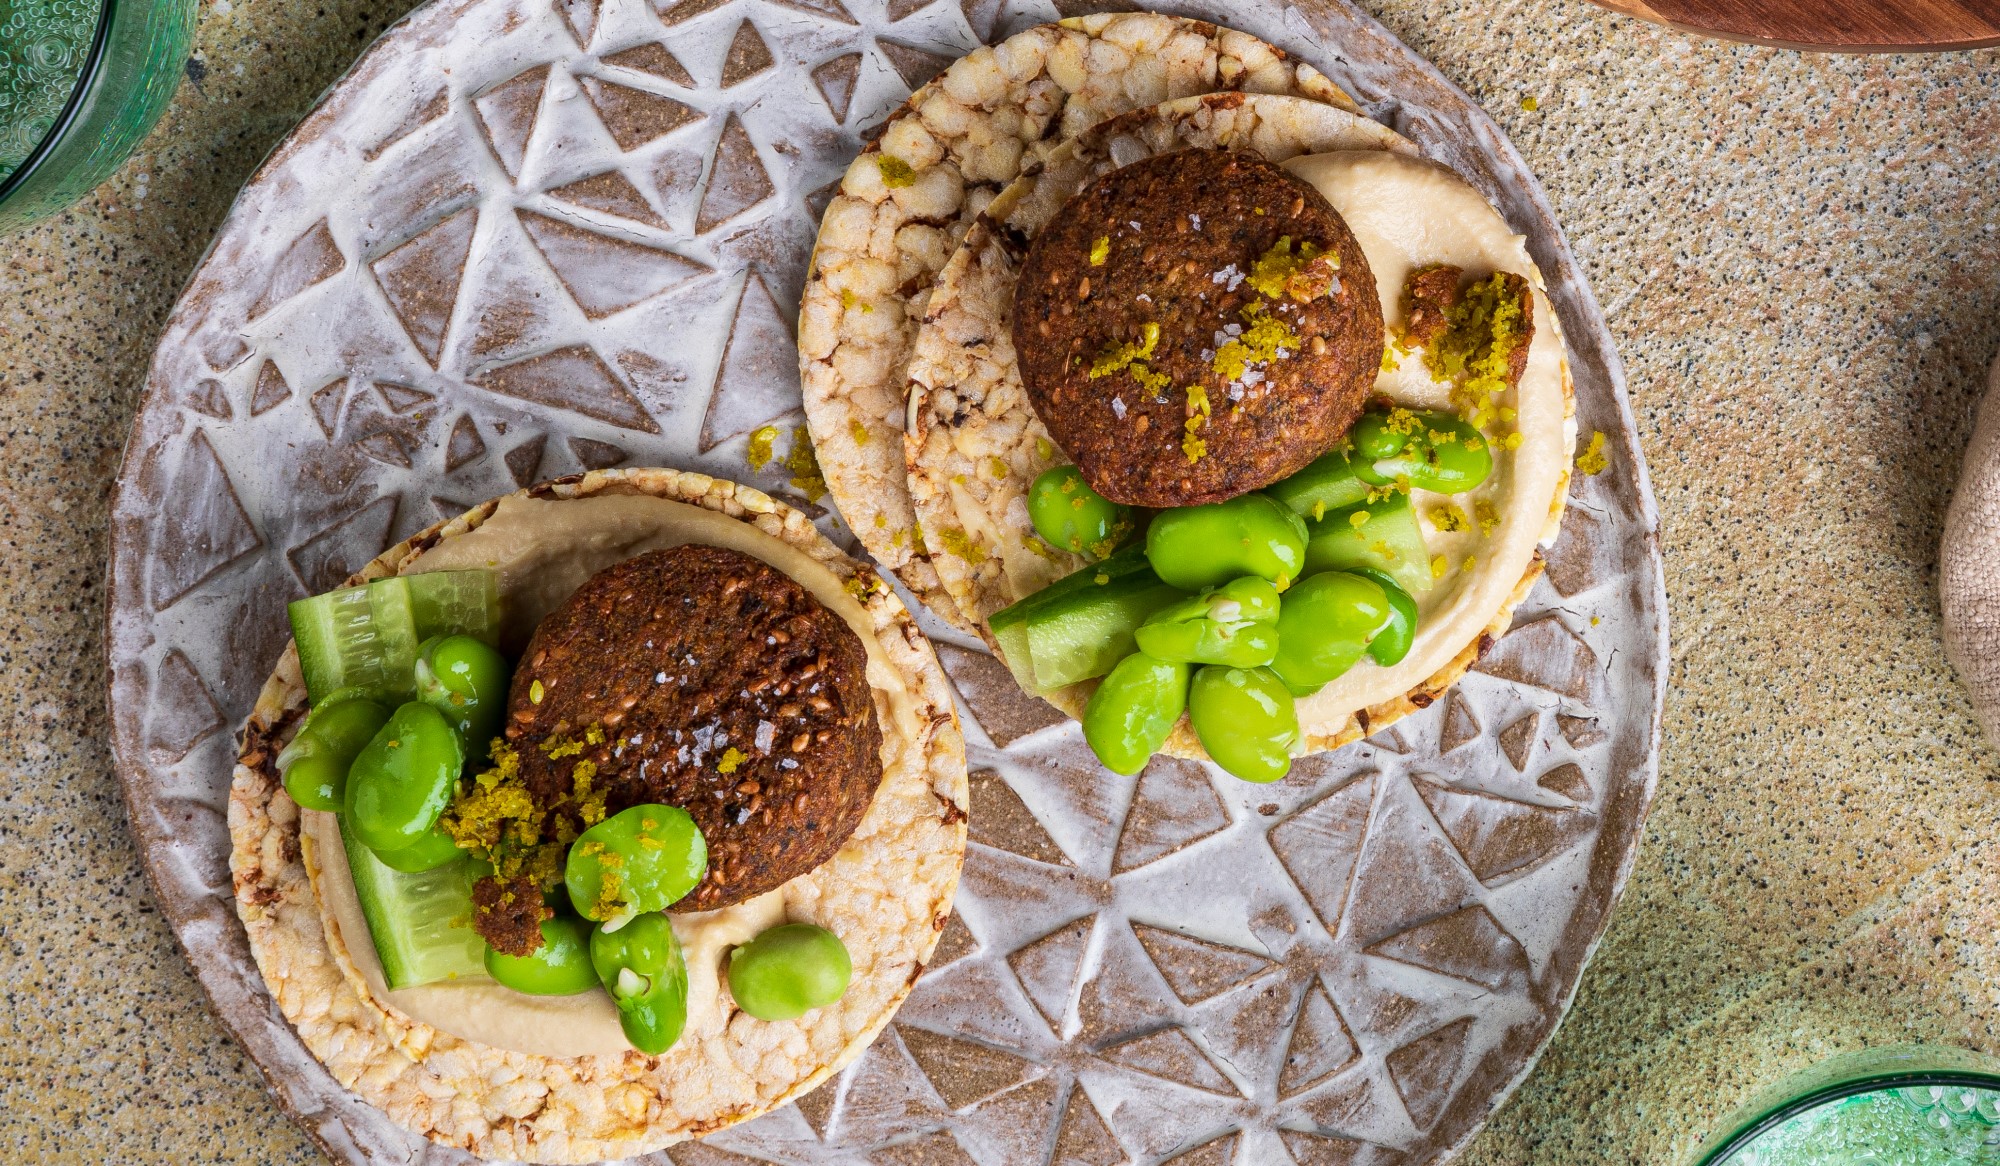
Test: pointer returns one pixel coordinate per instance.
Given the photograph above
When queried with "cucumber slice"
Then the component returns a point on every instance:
(421, 923)
(349, 640)
(1329, 483)
(1388, 540)
(365, 638)
(455, 603)
(1010, 624)
(1010, 628)
(1086, 633)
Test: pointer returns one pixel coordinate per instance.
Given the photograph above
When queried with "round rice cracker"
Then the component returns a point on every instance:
(906, 201)
(973, 443)
(887, 894)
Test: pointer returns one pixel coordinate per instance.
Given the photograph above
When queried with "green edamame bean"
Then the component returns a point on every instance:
(641, 965)
(1246, 720)
(642, 859)
(1430, 451)
(1325, 627)
(788, 971)
(1235, 624)
(1132, 711)
(560, 967)
(315, 764)
(1393, 642)
(465, 679)
(433, 850)
(1067, 513)
(1374, 437)
(403, 778)
(1195, 547)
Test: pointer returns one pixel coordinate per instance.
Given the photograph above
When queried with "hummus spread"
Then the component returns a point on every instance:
(543, 551)
(1408, 213)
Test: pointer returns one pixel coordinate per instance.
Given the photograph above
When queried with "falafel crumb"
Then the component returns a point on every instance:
(896, 173)
(759, 452)
(1477, 352)
(1594, 460)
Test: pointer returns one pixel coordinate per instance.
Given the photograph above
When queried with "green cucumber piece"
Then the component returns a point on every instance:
(1010, 628)
(1328, 483)
(421, 923)
(365, 639)
(456, 603)
(1389, 540)
(1009, 624)
(1086, 633)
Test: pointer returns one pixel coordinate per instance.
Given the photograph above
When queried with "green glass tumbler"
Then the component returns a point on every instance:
(81, 82)
(1905, 1105)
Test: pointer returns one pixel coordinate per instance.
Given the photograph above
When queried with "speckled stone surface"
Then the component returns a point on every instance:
(1796, 255)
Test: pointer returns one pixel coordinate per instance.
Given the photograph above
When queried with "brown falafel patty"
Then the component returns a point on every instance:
(1194, 326)
(718, 684)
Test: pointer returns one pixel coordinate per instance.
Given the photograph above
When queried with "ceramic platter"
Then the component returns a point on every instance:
(526, 238)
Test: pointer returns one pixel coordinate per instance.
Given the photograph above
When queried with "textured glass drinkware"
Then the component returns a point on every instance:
(1907, 1105)
(81, 81)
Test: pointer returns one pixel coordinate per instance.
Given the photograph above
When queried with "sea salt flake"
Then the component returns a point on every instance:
(1118, 408)
(767, 735)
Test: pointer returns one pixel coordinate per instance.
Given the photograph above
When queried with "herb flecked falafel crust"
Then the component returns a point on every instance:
(1194, 326)
(703, 678)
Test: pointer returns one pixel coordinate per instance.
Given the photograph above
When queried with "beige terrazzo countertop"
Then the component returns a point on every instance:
(1797, 256)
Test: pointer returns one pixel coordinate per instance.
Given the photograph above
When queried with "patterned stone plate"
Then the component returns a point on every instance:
(528, 237)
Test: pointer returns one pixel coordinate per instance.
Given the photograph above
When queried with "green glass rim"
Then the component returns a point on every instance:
(1865, 1083)
(72, 109)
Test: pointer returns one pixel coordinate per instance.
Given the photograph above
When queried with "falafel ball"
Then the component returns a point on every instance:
(704, 678)
(1194, 326)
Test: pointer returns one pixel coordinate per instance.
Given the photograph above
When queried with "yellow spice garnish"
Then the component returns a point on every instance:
(1530, 104)
(1487, 514)
(1439, 566)
(804, 465)
(957, 542)
(857, 431)
(557, 747)
(732, 759)
(1259, 343)
(1156, 383)
(759, 452)
(997, 468)
(1100, 251)
(881, 522)
(1448, 518)
(1358, 518)
(896, 173)
(1304, 275)
(1193, 447)
(1389, 361)
(1043, 449)
(1482, 331)
(1594, 461)
(1118, 357)
(535, 692)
